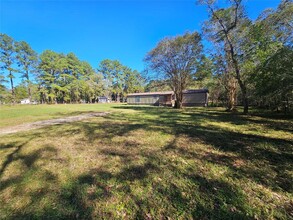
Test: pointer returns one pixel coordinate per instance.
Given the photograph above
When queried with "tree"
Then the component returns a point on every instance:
(273, 79)
(92, 83)
(94, 87)
(133, 81)
(224, 69)
(4, 93)
(157, 85)
(119, 79)
(64, 78)
(213, 73)
(27, 59)
(225, 28)
(267, 51)
(279, 22)
(49, 70)
(21, 91)
(74, 67)
(176, 59)
(7, 58)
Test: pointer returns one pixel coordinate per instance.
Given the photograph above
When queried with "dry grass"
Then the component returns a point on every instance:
(150, 163)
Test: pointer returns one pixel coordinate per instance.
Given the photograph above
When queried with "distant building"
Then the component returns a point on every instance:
(103, 99)
(194, 97)
(25, 101)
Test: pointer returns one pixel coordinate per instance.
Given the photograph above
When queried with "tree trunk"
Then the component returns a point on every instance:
(244, 95)
(231, 101)
(231, 90)
(245, 104)
(178, 104)
(12, 87)
(178, 101)
(240, 82)
(63, 95)
(28, 86)
(231, 51)
(55, 99)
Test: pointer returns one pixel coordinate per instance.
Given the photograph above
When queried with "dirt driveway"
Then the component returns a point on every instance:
(40, 124)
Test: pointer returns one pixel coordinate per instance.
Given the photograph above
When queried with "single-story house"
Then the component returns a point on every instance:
(103, 99)
(194, 97)
(151, 98)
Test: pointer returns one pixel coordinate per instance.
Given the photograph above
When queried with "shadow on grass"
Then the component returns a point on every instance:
(10, 156)
(256, 149)
(28, 161)
(37, 184)
(155, 187)
(225, 200)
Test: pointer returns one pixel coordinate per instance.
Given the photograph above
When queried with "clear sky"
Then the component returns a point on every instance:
(98, 29)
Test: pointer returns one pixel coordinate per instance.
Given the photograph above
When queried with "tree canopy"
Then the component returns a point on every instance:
(176, 58)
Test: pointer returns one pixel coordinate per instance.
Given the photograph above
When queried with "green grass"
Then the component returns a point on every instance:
(18, 114)
(146, 163)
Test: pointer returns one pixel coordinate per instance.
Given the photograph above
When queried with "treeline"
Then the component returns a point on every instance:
(252, 60)
(61, 78)
(246, 63)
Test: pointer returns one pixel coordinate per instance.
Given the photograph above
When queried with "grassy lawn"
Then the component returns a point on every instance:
(18, 114)
(146, 163)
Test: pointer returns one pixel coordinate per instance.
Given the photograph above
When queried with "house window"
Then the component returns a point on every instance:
(137, 98)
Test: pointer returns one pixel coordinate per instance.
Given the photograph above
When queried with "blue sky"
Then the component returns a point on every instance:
(98, 29)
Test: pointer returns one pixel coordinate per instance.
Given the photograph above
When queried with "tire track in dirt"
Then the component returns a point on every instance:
(41, 124)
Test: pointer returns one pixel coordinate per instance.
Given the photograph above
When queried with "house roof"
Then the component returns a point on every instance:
(195, 91)
(169, 92)
(151, 93)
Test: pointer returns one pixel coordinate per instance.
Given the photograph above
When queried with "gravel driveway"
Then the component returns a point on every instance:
(40, 124)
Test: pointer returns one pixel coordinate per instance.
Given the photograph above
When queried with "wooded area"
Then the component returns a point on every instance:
(246, 62)
(61, 78)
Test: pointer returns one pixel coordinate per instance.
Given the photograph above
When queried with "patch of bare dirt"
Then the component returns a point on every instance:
(40, 124)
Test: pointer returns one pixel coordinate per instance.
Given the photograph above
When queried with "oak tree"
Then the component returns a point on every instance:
(176, 59)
